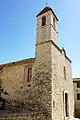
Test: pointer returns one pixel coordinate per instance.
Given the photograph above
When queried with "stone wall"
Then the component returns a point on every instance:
(59, 84)
(14, 81)
(43, 77)
(49, 66)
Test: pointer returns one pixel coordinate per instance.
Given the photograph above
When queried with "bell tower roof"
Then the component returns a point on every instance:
(46, 9)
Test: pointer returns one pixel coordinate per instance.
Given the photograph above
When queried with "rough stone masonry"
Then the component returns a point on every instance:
(39, 88)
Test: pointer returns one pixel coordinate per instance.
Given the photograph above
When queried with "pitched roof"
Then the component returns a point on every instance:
(29, 60)
(46, 9)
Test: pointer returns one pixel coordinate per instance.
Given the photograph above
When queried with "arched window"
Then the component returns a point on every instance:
(54, 22)
(66, 105)
(64, 70)
(43, 20)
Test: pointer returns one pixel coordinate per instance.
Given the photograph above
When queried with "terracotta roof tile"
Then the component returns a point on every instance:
(46, 9)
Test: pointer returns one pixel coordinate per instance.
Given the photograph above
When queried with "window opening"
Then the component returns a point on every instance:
(43, 20)
(29, 74)
(78, 96)
(64, 73)
(66, 105)
(54, 22)
(78, 84)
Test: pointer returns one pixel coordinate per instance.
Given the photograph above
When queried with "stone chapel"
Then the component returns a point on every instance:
(41, 87)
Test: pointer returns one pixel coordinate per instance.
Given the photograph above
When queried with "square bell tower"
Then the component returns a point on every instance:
(47, 26)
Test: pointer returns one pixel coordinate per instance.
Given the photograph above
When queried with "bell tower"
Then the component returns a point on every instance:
(46, 38)
(46, 34)
(47, 26)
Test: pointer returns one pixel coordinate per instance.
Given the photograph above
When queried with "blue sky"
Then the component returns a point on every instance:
(18, 29)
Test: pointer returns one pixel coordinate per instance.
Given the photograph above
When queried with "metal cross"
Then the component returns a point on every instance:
(46, 4)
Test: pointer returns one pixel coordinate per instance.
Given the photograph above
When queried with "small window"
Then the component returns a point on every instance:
(64, 73)
(29, 74)
(78, 96)
(43, 20)
(78, 84)
(54, 22)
